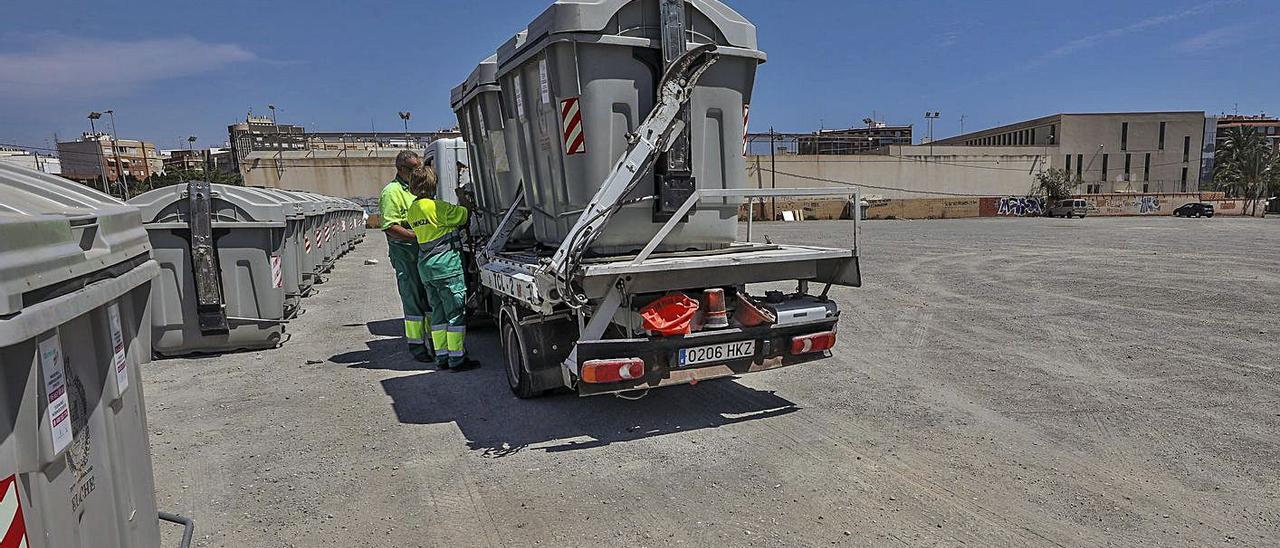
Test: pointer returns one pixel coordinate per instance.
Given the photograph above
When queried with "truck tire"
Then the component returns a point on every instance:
(516, 354)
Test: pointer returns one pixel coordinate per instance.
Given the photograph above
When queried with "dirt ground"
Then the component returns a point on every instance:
(1096, 382)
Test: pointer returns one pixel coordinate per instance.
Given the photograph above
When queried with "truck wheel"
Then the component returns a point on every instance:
(516, 355)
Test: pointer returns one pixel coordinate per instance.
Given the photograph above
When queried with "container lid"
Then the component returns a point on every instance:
(230, 205)
(713, 23)
(54, 231)
(295, 207)
(483, 78)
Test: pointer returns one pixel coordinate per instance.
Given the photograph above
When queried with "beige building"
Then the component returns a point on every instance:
(1110, 152)
(95, 156)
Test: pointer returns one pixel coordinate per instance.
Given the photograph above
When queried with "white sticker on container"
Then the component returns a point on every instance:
(544, 86)
(55, 389)
(119, 360)
(519, 95)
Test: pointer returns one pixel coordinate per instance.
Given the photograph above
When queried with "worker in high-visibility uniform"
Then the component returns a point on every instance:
(402, 247)
(437, 224)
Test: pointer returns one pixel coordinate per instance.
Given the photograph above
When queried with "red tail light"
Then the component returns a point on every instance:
(816, 342)
(607, 371)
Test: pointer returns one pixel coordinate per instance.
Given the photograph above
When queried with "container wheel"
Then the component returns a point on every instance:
(516, 355)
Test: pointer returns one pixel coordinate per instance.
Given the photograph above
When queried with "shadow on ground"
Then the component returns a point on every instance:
(498, 424)
(390, 354)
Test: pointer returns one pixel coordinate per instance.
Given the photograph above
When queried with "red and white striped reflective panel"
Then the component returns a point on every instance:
(13, 529)
(277, 277)
(746, 121)
(306, 240)
(575, 140)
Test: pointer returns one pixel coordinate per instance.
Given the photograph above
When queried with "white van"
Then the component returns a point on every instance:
(1069, 208)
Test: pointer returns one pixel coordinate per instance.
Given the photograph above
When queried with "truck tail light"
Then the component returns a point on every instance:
(815, 342)
(615, 370)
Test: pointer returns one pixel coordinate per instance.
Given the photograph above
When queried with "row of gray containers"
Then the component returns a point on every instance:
(273, 247)
(591, 68)
(89, 288)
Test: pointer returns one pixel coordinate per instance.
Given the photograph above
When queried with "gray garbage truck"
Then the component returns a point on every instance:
(608, 169)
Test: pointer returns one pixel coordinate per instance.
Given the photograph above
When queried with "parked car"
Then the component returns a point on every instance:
(1069, 208)
(1194, 209)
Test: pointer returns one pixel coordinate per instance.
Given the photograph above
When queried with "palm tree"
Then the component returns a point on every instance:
(1247, 167)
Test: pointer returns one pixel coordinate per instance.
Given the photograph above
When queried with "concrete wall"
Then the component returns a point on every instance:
(359, 174)
(910, 171)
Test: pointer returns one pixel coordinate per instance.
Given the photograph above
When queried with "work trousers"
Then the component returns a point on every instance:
(448, 297)
(413, 297)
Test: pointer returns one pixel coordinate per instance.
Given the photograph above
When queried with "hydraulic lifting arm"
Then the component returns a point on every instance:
(657, 134)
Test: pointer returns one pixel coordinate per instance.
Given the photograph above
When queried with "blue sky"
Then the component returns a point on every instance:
(174, 69)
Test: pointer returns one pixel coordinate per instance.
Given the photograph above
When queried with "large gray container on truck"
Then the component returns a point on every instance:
(585, 76)
(235, 300)
(75, 331)
(494, 173)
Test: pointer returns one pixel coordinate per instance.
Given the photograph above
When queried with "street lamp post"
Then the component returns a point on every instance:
(405, 116)
(102, 158)
(931, 116)
(272, 108)
(121, 177)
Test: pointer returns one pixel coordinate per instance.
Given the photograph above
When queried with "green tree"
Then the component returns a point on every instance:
(174, 177)
(1247, 167)
(1055, 184)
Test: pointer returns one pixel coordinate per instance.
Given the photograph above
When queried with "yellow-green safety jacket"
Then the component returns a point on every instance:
(436, 224)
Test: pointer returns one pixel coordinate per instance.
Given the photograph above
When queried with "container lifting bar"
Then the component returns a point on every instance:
(204, 260)
(674, 177)
(654, 136)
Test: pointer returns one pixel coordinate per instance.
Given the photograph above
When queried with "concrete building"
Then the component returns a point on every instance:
(31, 160)
(261, 134)
(94, 157)
(856, 140)
(1110, 152)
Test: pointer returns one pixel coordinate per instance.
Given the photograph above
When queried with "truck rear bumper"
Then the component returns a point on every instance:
(773, 351)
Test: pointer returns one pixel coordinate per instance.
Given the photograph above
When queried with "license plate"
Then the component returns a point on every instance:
(722, 352)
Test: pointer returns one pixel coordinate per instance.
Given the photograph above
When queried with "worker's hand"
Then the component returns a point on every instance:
(397, 232)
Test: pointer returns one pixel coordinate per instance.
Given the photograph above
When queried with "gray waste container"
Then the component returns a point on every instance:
(75, 331)
(293, 262)
(449, 156)
(494, 173)
(585, 75)
(237, 301)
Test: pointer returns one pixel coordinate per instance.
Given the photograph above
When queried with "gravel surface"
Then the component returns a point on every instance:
(997, 383)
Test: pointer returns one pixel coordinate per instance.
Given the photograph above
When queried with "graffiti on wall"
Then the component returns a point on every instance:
(1019, 206)
(1148, 205)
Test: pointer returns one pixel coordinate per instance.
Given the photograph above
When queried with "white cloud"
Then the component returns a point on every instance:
(1214, 39)
(1119, 32)
(54, 64)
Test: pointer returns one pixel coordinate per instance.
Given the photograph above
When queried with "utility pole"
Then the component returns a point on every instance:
(962, 117)
(773, 172)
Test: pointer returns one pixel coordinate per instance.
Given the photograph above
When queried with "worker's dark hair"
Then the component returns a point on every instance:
(405, 160)
(423, 182)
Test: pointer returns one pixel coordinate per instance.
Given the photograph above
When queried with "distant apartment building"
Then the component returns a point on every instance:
(217, 159)
(1110, 152)
(855, 140)
(94, 157)
(1267, 126)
